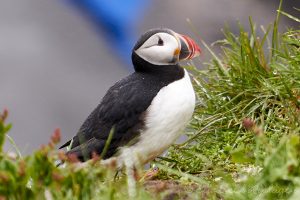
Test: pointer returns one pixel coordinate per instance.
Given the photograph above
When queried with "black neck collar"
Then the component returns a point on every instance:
(142, 66)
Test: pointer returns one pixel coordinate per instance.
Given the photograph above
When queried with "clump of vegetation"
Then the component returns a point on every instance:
(37, 176)
(244, 140)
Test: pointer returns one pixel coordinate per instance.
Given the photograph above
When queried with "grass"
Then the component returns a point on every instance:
(245, 131)
(244, 140)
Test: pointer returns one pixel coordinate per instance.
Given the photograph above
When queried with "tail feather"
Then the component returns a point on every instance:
(85, 151)
(65, 145)
(77, 140)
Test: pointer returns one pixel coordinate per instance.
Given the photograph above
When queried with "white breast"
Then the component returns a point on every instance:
(167, 116)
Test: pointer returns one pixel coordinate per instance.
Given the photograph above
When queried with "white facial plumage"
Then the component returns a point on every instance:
(160, 49)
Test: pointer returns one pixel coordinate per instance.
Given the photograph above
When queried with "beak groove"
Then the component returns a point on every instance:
(189, 48)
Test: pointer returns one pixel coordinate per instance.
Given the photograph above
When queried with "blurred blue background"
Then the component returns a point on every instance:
(57, 58)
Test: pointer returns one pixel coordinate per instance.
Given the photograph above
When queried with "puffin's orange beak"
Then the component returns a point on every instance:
(189, 48)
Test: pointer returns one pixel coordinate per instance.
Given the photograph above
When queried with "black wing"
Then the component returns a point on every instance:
(123, 107)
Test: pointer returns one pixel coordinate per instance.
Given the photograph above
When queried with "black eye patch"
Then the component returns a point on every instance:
(160, 42)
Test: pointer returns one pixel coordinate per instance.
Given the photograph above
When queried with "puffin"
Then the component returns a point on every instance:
(141, 115)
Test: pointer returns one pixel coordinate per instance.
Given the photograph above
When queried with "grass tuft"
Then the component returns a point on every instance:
(245, 133)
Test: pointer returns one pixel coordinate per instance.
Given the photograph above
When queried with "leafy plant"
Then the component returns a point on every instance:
(245, 133)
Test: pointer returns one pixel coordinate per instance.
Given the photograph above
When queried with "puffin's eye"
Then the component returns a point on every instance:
(160, 42)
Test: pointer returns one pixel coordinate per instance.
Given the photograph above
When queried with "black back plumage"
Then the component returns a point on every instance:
(123, 108)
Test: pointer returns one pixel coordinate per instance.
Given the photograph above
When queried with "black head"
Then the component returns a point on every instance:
(162, 47)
